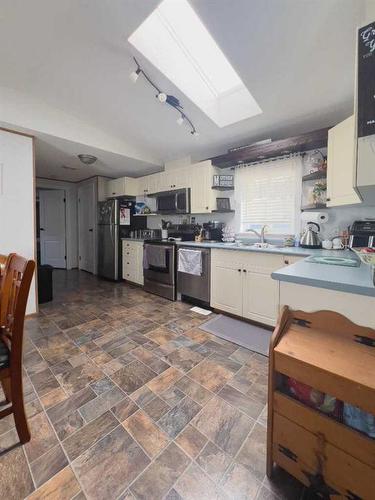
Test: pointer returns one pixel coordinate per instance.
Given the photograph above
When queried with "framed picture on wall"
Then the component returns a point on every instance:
(223, 204)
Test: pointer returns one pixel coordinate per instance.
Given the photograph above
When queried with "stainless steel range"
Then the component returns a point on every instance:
(160, 261)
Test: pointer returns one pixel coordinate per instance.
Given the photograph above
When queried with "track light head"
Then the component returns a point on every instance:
(162, 97)
(134, 75)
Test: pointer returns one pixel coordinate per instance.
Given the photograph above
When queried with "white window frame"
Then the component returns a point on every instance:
(243, 176)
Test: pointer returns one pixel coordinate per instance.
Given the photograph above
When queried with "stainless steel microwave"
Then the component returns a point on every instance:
(173, 202)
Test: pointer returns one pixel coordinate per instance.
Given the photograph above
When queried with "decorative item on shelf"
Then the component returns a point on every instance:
(162, 97)
(141, 208)
(228, 234)
(367, 256)
(319, 193)
(223, 204)
(314, 161)
(223, 181)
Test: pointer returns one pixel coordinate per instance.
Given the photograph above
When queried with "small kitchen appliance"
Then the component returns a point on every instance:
(362, 234)
(213, 230)
(310, 238)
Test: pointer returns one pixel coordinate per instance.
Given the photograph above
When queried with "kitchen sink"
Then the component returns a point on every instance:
(260, 246)
(336, 261)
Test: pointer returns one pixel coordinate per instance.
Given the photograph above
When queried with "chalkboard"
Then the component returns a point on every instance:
(366, 80)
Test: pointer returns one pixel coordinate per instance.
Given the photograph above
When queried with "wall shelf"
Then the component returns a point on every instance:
(223, 188)
(314, 206)
(222, 211)
(319, 174)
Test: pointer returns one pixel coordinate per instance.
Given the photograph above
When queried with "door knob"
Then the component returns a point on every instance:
(91, 230)
(42, 228)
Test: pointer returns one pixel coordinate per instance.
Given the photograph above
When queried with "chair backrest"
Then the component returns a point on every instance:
(4, 263)
(15, 291)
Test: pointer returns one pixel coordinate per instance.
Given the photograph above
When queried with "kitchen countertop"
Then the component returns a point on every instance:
(356, 280)
(344, 279)
(133, 239)
(304, 252)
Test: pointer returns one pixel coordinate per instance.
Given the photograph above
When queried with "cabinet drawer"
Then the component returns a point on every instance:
(305, 454)
(226, 258)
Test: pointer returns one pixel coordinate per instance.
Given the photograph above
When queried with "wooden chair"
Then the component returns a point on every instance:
(14, 293)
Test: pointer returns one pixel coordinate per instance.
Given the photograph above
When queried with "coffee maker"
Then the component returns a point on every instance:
(212, 230)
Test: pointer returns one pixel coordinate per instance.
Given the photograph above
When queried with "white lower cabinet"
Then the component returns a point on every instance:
(132, 261)
(241, 284)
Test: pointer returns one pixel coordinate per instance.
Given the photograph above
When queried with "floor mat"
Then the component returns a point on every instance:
(244, 334)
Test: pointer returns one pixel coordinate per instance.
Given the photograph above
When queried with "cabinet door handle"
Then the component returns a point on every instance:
(239, 270)
(286, 261)
(244, 270)
(328, 199)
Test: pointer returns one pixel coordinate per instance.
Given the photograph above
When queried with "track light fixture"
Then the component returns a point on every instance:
(164, 98)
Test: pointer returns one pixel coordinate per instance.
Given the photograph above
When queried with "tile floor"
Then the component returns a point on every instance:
(128, 398)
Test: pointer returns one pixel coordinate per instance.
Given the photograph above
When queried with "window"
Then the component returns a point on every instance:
(175, 40)
(270, 193)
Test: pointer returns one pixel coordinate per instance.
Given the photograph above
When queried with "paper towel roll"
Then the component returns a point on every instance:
(319, 217)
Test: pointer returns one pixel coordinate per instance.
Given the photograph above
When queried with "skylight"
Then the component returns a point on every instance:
(174, 39)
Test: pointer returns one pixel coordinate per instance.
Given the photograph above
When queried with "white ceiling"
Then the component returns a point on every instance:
(295, 56)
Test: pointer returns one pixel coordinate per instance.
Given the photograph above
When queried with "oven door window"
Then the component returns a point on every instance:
(166, 203)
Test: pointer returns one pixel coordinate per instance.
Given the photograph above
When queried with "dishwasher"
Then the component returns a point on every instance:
(196, 288)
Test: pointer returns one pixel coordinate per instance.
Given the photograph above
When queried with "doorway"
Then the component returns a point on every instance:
(52, 227)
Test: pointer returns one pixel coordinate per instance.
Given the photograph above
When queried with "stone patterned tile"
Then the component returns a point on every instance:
(133, 376)
(282, 485)
(242, 355)
(194, 390)
(173, 395)
(69, 424)
(210, 375)
(124, 409)
(71, 404)
(159, 477)
(43, 438)
(161, 335)
(52, 398)
(143, 396)
(44, 382)
(89, 434)
(102, 385)
(156, 408)
(226, 426)
(173, 495)
(253, 453)
(48, 465)
(259, 389)
(243, 379)
(248, 405)
(79, 377)
(34, 363)
(240, 483)
(184, 359)
(220, 346)
(101, 404)
(165, 380)
(191, 441)
(213, 461)
(107, 468)
(225, 362)
(63, 485)
(16, 481)
(146, 433)
(196, 485)
(178, 417)
(153, 362)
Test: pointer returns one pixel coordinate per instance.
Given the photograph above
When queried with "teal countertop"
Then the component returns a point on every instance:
(344, 279)
(356, 280)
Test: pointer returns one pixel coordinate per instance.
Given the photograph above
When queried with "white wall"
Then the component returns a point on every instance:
(17, 203)
(71, 216)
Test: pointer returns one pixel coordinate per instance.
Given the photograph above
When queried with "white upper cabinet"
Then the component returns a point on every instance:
(341, 160)
(124, 186)
(200, 182)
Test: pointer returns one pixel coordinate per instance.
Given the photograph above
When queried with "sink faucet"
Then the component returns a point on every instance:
(261, 234)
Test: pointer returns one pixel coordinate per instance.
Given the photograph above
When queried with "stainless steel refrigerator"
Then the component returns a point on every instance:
(115, 221)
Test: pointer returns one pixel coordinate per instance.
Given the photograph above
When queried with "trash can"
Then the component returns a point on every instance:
(45, 293)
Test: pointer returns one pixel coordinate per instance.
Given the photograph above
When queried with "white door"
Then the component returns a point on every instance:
(260, 298)
(86, 222)
(52, 227)
(226, 289)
